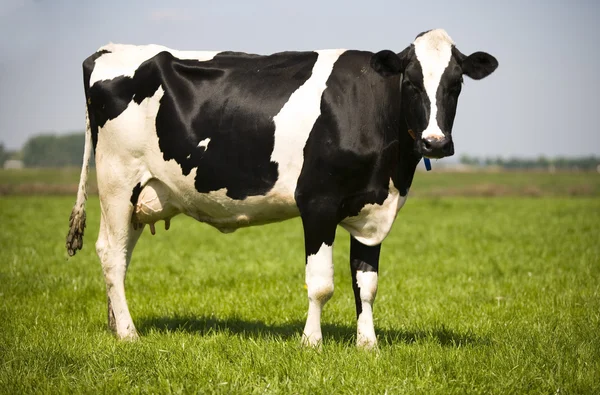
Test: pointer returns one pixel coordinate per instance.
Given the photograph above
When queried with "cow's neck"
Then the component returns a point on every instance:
(408, 159)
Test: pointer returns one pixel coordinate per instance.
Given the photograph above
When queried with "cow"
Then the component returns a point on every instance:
(234, 140)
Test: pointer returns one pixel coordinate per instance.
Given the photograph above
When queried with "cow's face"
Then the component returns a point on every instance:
(432, 74)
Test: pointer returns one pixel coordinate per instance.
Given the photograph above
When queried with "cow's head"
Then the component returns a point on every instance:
(432, 74)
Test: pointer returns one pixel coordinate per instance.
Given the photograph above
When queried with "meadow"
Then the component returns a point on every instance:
(477, 294)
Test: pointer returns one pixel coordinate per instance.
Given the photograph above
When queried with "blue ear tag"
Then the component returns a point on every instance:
(427, 163)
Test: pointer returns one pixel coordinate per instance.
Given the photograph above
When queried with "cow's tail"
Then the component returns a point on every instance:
(77, 220)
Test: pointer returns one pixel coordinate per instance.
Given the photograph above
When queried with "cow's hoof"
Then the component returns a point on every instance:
(313, 341)
(367, 344)
(131, 337)
(127, 336)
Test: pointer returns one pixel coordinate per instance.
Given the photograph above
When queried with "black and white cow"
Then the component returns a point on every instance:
(234, 140)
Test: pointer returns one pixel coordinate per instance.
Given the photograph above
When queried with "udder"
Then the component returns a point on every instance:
(155, 203)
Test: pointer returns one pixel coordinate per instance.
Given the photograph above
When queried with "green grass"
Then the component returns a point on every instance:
(49, 176)
(43, 181)
(509, 183)
(476, 295)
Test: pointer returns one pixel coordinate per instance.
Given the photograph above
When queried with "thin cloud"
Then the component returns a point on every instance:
(169, 15)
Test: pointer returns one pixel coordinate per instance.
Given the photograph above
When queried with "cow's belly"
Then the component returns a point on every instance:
(227, 215)
(159, 201)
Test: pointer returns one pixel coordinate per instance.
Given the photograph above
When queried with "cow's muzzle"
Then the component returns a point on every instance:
(436, 148)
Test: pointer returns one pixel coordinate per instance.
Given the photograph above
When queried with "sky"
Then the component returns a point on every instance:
(544, 98)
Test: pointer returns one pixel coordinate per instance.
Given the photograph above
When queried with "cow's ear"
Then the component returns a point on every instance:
(386, 63)
(479, 65)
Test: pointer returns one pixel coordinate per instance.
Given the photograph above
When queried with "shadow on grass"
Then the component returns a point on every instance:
(337, 332)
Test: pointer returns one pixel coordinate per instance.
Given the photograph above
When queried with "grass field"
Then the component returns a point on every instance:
(476, 295)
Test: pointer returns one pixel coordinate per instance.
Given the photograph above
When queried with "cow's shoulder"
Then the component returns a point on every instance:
(353, 145)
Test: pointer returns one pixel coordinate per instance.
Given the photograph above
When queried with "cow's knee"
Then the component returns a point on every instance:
(319, 283)
(319, 274)
(319, 290)
(102, 242)
(101, 245)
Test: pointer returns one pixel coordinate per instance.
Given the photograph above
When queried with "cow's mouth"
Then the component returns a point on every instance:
(435, 148)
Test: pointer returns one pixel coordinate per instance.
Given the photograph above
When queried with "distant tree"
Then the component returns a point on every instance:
(588, 163)
(470, 160)
(6, 155)
(54, 151)
(489, 162)
(543, 162)
(3, 155)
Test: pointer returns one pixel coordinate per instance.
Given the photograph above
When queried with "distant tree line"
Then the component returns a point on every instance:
(540, 163)
(48, 150)
(5, 154)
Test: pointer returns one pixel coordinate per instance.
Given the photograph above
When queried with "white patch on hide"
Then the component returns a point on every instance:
(204, 143)
(125, 59)
(374, 222)
(296, 119)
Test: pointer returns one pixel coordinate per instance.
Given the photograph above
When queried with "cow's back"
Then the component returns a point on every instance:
(223, 133)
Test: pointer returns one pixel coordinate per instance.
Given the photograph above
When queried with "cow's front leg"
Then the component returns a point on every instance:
(318, 239)
(364, 264)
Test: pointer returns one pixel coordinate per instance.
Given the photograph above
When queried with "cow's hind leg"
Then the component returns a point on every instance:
(364, 265)
(319, 233)
(115, 245)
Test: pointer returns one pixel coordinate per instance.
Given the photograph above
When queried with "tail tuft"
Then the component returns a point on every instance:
(76, 229)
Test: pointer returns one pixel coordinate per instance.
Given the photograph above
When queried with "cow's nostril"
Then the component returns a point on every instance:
(436, 148)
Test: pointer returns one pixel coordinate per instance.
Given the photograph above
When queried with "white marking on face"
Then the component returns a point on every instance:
(124, 59)
(319, 281)
(434, 51)
(295, 121)
(204, 143)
